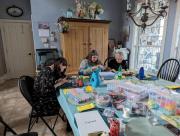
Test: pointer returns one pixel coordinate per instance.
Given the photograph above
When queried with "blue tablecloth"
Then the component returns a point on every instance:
(70, 110)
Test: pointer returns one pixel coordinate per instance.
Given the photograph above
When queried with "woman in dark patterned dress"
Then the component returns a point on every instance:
(51, 74)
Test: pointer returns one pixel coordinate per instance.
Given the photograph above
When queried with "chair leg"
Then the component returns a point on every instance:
(48, 126)
(5, 129)
(30, 120)
(63, 117)
(8, 128)
(55, 122)
(37, 119)
(68, 127)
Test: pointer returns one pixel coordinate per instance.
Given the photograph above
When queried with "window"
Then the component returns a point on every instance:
(175, 50)
(148, 46)
(177, 45)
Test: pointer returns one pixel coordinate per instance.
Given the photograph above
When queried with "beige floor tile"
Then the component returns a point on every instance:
(15, 111)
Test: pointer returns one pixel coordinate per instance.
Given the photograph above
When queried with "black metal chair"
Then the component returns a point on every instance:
(7, 128)
(169, 70)
(107, 60)
(40, 107)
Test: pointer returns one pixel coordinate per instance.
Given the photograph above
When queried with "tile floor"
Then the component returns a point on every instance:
(15, 111)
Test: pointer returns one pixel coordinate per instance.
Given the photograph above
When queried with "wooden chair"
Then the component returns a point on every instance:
(169, 70)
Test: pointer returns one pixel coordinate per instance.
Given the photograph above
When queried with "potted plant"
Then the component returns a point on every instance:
(95, 9)
(64, 26)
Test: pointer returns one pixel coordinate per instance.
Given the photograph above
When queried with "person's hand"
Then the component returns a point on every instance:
(60, 82)
(101, 66)
(113, 70)
(94, 68)
(64, 80)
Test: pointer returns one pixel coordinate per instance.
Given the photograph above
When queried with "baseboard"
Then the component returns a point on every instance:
(4, 78)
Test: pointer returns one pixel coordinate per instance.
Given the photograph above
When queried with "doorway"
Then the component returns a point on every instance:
(18, 48)
(2, 58)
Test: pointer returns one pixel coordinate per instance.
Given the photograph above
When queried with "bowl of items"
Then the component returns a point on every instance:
(118, 97)
(102, 100)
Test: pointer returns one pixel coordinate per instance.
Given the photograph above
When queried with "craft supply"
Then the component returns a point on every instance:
(79, 96)
(139, 109)
(103, 100)
(89, 89)
(141, 73)
(117, 98)
(118, 75)
(85, 107)
(109, 112)
(164, 100)
(114, 127)
(126, 112)
(173, 87)
(133, 91)
(95, 79)
(174, 120)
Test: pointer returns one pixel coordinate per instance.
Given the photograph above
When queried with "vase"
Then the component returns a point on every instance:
(96, 17)
(91, 13)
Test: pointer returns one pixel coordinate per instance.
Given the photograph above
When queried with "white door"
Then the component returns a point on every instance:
(18, 48)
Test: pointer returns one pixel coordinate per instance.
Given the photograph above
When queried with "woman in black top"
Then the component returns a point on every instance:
(118, 61)
(51, 74)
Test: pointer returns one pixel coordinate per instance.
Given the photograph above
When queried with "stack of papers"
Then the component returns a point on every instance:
(89, 122)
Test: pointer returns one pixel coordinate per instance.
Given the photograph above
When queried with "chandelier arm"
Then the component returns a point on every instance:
(133, 14)
(153, 21)
(135, 21)
(153, 11)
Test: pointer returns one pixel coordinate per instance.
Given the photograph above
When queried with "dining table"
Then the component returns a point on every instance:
(134, 126)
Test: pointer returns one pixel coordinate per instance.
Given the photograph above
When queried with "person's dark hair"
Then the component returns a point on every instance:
(89, 57)
(59, 61)
(49, 62)
(90, 54)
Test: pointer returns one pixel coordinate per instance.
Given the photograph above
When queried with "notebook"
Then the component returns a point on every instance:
(87, 122)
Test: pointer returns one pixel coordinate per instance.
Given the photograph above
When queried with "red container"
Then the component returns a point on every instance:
(114, 127)
(80, 83)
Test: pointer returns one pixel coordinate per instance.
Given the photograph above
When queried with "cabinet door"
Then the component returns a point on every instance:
(99, 39)
(75, 44)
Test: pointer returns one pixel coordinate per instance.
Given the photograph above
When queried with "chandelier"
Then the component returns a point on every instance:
(148, 11)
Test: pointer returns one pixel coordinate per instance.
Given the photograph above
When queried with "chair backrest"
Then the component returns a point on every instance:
(26, 84)
(169, 70)
(107, 60)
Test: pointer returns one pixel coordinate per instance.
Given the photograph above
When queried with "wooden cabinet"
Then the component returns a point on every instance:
(83, 36)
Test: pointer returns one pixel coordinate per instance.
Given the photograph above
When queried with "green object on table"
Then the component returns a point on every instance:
(118, 75)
